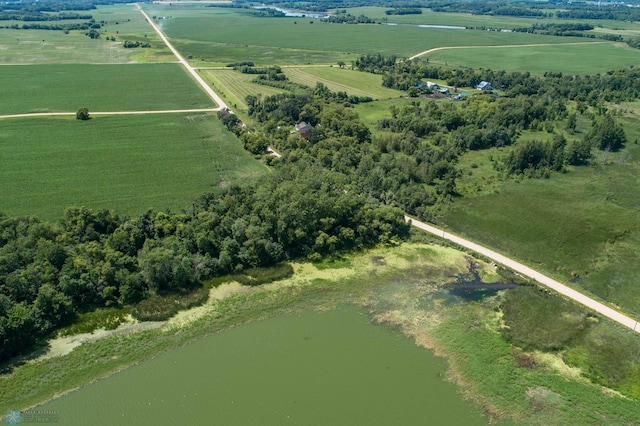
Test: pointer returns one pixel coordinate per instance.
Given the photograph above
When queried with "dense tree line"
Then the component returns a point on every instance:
(39, 16)
(340, 17)
(403, 11)
(50, 272)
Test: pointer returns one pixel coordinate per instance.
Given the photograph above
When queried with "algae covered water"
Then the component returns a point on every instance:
(334, 368)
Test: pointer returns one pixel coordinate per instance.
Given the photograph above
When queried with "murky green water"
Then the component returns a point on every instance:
(332, 368)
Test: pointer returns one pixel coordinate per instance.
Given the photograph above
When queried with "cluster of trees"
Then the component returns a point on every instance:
(375, 64)
(347, 18)
(273, 73)
(404, 11)
(49, 273)
(536, 158)
(128, 44)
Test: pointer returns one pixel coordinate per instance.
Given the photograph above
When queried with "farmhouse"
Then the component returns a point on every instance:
(304, 129)
(433, 86)
(484, 85)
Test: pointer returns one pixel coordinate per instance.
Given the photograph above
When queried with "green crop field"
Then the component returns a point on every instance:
(125, 163)
(236, 86)
(570, 58)
(243, 28)
(65, 88)
(343, 80)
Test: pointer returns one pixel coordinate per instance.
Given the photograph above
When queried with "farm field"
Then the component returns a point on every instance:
(235, 86)
(19, 46)
(65, 88)
(125, 163)
(241, 28)
(207, 54)
(42, 47)
(568, 59)
(342, 80)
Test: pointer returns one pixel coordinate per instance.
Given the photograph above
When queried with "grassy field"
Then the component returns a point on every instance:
(65, 88)
(243, 28)
(343, 80)
(581, 227)
(405, 287)
(235, 86)
(125, 163)
(569, 59)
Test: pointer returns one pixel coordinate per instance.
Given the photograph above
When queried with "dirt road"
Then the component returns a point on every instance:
(500, 47)
(54, 114)
(213, 95)
(528, 272)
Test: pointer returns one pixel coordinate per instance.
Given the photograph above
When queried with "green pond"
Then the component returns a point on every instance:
(333, 368)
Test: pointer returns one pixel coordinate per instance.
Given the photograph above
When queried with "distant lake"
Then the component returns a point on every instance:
(444, 27)
(290, 13)
(331, 368)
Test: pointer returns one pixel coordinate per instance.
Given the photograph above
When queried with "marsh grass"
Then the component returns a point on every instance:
(88, 322)
(162, 307)
(254, 276)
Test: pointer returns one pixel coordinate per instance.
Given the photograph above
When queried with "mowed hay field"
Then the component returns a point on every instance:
(343, 80)
(125, 163)
(573, 58)
(65, 88)
(235, 86)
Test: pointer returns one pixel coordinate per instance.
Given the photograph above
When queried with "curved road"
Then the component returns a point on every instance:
(213, 95)
(528, 272)
(500, 46)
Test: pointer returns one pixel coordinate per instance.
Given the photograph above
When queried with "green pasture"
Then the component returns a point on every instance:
(125, 163)
(342, 80)
(243, 28)
(581, 226)
(235, 86)
(65, 88)
(589, 58)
